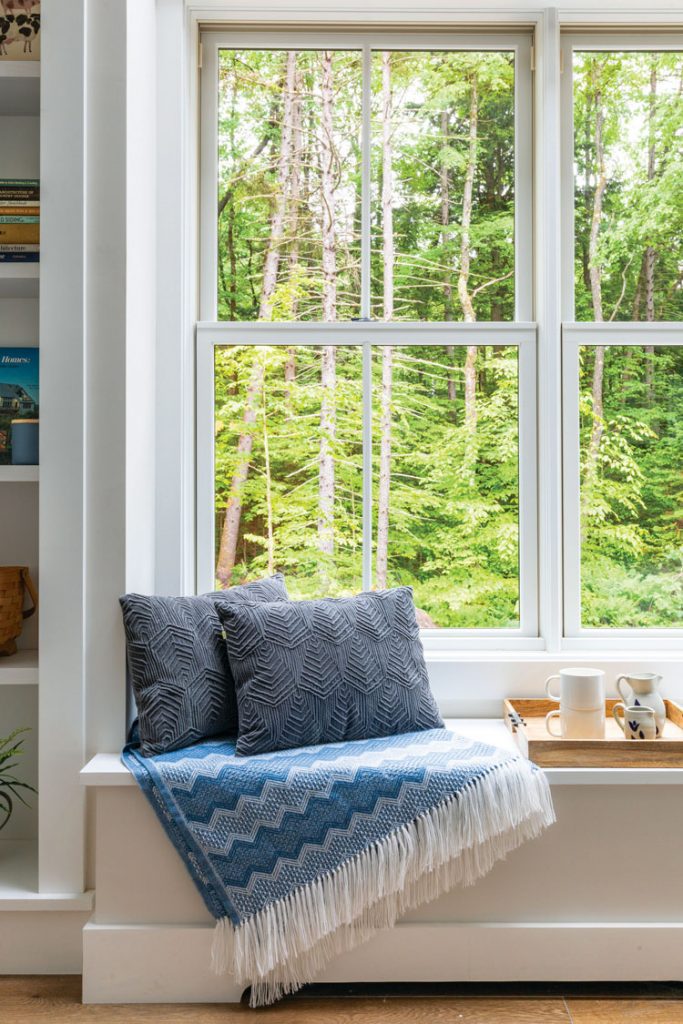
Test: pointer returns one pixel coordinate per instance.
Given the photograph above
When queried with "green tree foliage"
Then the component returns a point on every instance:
(289, 205)
(632, 544)
(628, 120)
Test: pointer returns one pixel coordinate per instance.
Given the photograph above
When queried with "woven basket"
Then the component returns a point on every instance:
(14, 583)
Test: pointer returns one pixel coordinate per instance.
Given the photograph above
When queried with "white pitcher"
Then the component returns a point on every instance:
(644, 693)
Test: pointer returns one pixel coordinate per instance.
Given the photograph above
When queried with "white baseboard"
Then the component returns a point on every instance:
(171, 964)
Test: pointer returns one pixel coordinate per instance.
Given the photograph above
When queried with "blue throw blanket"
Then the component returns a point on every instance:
(302, 854)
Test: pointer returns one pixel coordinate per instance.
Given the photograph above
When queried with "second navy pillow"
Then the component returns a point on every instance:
(325, 671)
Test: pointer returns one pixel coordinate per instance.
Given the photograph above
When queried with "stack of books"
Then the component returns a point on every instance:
(19, 220)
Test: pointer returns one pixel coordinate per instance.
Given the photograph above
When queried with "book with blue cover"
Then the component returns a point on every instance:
(19, 394)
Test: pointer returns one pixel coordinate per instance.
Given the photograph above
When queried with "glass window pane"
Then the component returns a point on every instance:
(288, 466)
(631, 486)
(446, 481)
(443, 172)
(289, 193)
(628, 199)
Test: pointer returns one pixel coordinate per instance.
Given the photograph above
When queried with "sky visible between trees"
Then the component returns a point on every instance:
(445, 497)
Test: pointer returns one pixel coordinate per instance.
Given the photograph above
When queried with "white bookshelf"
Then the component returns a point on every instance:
(19, 280)
(21, 669)
(19, 538)
(19, 881)
(19, 474)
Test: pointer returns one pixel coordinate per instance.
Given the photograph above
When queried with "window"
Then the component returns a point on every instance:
(367, 384)
(366, 365)
(623, 374)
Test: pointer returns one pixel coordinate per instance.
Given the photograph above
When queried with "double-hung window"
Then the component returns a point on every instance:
(366, 401)
(622, 117)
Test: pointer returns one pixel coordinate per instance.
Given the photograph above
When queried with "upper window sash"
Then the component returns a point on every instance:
(599, 42)
(517, 42)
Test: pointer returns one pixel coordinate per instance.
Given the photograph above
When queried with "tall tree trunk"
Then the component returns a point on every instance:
(388, 257)
(595, 272)
(463, 281)
(269, 488)
(329, 267)
(650, 252)
(446, 238)
(233, 513)
(294, 247)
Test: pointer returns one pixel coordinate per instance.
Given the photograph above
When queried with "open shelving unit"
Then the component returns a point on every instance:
(20, 887)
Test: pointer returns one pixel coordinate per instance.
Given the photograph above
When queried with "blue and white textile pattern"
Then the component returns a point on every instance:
(303, 854)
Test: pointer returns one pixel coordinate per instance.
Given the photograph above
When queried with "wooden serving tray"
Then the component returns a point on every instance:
(525, 718)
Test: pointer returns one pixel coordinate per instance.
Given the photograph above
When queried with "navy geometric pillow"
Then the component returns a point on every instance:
(326, 671)
(179, 669)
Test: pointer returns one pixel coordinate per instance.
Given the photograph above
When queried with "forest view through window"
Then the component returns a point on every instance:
(369, 189)
(628, 205)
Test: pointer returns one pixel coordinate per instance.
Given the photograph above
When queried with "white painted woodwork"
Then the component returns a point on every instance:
(19, 670)
(62, 524)
(555, 909)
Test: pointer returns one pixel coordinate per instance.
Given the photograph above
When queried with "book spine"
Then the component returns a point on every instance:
(19, 233)
(19, 183)
(4, 219)
(20, 210)
(19, 257)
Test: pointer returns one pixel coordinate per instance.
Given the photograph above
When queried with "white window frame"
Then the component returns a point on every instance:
(575, 335)
(520, 333)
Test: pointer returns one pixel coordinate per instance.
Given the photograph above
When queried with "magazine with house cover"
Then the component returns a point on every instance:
(19, 393)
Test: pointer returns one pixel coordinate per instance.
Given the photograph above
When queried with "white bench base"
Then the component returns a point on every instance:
(595, 898)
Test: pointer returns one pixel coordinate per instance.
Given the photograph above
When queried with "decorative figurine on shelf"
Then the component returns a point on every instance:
(15, 584)
(19, 28)
(644, 693)
(10, 750)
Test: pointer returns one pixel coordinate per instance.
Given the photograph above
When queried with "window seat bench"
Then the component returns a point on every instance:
(597, 897)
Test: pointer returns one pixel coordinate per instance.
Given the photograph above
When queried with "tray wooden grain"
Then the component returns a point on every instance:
(525, 718)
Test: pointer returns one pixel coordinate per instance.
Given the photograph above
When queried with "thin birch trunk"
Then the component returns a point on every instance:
(329, 268)
(650, 252)
(595, 272)
(294, 247)
(233, 513)
(446, 238)
(269, 489)
(388, 257)
(463, 283)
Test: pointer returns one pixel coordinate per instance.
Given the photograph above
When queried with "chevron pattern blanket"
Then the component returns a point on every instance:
(303, 854)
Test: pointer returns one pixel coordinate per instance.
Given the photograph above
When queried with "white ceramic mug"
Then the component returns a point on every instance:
(582, 689)
(582, 703)
(577, 725)
(636, 721)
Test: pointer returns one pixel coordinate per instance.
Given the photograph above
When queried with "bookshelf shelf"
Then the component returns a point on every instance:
(19, 881)
(21, 669)
(19, 474)
(19, 88)
(19, 280)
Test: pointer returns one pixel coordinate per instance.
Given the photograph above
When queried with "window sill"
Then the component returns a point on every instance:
(107, 769)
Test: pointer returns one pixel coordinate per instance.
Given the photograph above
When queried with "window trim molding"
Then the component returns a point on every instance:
(182, 58)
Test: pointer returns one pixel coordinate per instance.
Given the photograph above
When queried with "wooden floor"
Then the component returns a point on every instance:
(56, 1000)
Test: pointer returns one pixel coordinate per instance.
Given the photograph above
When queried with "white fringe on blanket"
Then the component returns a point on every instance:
(286, 944)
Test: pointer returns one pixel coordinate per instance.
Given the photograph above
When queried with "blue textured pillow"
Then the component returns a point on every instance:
(178, 665)
(330, 670)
